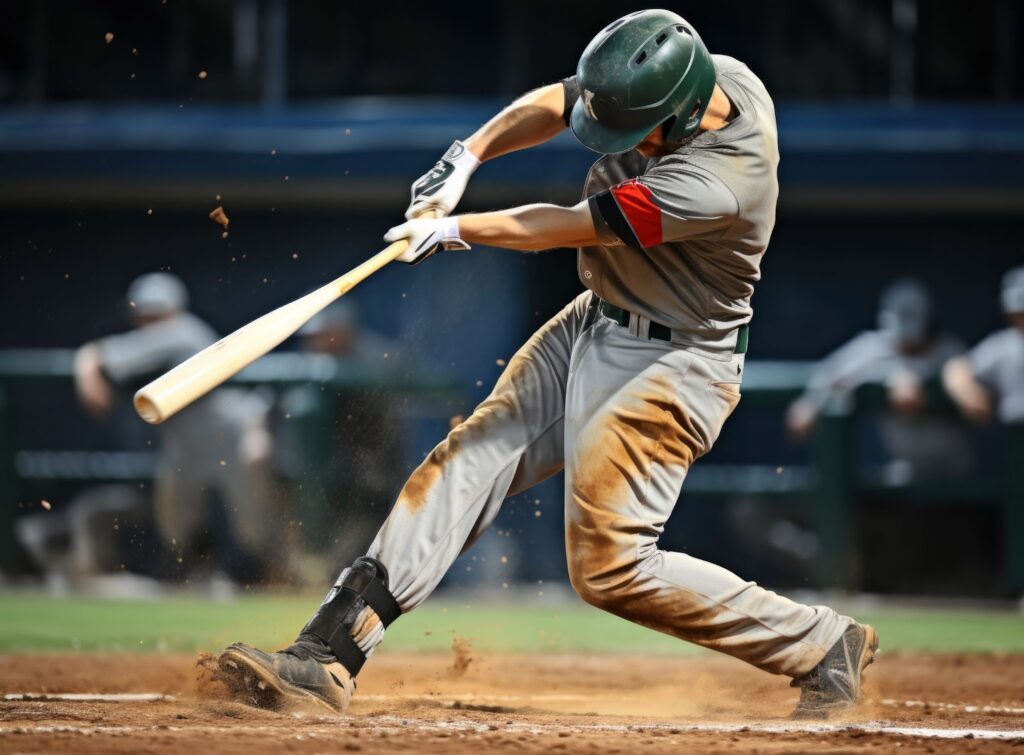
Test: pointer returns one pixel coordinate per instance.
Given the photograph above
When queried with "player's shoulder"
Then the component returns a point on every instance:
(683, 184)
(1005, 340)
(866, 345)
(737, 72)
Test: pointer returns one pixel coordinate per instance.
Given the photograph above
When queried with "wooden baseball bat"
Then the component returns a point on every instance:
(201, 373)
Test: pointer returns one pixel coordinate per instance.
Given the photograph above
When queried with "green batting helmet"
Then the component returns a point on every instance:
(646, 69)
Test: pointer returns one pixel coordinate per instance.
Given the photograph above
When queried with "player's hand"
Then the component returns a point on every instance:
(906, 394)
(426, 236)
(441, 188)
(801, 417)
(976, 405)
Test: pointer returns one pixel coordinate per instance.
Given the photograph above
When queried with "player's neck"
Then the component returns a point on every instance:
(719, 113)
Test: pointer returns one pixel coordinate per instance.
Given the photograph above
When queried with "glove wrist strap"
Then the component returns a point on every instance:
(449, 234)
(459, 156)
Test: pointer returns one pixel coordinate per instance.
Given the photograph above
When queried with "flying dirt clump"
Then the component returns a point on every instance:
(219, 216)
(208, 682)
(463, 656)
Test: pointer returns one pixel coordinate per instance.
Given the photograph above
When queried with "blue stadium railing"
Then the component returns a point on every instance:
(366, 149)
(830, 487)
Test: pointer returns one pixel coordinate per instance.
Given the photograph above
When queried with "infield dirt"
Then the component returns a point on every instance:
(430, 703)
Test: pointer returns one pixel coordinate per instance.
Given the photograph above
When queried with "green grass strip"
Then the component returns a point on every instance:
(33, 623)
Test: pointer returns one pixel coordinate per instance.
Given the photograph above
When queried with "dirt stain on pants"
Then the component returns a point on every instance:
(627, 417)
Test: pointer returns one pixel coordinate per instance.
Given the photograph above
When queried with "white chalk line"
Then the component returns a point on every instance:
(397, 724)
(83, 697)
(144, 697)
(960, 708)
(394, 725)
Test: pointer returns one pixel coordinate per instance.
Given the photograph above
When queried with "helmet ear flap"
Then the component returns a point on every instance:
(694, 120)
(675, 129)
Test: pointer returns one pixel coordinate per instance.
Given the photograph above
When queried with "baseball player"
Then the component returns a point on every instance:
(625, 387)
(201, 467)
(994, 369)
(904, 353)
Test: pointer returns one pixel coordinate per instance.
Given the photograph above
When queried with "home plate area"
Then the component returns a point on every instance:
(169, 703)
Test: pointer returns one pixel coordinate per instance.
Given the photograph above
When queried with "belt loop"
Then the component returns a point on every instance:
(643, 327)
(742, 339)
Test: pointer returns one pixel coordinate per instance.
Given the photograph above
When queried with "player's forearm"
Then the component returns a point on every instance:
(86, 365)
(532, 119)
(531, 227)
(960, 383)
(91, 385)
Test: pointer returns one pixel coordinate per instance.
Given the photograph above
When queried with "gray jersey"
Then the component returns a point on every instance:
(136, 356)
(682, 236)
(873, 358)
(998, 362)
(933, 446)
(200, 448)
(131, 359)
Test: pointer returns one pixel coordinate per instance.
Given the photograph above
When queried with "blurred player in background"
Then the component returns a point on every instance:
(904, 354)
(989, 381)
(212, 506)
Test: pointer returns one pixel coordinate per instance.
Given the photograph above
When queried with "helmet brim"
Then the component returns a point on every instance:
(602, 139)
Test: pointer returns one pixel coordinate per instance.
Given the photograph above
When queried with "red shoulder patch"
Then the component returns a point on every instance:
(637, 204)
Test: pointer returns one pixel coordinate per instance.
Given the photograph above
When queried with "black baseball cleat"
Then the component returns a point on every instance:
(833, 686)
(294, 677)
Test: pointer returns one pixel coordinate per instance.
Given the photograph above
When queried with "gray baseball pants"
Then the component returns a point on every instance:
(626, 417)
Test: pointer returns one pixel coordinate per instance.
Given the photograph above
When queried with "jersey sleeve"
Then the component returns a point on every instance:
(571, 92)
(844, 370)
(128, 357)
(662, 207)
(985, 360)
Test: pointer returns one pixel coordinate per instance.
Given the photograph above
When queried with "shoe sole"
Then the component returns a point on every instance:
(867, 656)
(254, 684)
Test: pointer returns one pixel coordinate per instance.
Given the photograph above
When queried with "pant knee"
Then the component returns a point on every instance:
(604, 584)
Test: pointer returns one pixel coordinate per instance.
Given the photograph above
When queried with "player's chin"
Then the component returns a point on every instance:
(660, 149)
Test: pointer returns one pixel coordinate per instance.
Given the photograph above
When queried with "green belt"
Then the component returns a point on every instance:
(663, 332)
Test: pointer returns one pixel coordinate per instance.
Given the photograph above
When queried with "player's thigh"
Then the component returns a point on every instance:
(639, 413)
(528, 399)
(628, 448)
(543, 458)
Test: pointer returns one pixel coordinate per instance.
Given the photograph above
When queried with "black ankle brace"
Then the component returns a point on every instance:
(364, 584)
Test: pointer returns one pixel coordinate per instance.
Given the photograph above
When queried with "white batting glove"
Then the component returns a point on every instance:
(426, 236)
(441, 187)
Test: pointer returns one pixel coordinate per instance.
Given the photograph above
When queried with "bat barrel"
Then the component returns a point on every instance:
(148, 409)
(198, 375)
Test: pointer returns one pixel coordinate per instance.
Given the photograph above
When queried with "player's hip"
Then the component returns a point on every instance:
(615, 376)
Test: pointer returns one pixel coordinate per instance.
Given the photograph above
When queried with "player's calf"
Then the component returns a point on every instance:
(321, 665)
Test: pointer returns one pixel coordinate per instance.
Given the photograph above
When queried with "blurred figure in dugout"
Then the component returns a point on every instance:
(903, 354)
(989, 380)
(342, 449)
(213, 502)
